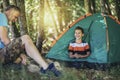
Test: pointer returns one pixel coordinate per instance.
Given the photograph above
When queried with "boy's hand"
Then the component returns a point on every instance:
(76, 55)
(71, 55)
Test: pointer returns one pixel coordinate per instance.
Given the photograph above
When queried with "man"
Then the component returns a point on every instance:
(10, 50)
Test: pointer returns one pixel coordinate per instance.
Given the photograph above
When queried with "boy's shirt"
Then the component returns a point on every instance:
(79, 48)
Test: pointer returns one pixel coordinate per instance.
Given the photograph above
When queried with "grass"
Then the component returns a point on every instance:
(10, 73)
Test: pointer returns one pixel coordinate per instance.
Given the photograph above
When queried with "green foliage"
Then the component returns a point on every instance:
(32, 13)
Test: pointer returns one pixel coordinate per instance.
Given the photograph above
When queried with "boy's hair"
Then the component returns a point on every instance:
(13, 7)
(79, 28)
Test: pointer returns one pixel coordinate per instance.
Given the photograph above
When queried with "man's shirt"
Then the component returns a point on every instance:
(3, 23)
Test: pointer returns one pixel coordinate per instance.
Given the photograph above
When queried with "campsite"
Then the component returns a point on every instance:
(51, 25)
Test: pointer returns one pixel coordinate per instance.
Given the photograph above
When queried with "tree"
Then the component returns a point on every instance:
(5, 4)
(60, 14)
(87, 6)
(51, 12)
(105, 7)
(41, 34)
(93, 5)
(22, 18)
(117, 7)
(90, 6)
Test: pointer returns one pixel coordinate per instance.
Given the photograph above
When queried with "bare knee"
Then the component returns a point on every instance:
(26, 39)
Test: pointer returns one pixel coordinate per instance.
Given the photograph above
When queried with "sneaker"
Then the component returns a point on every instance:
(43, 70)
(51, 68)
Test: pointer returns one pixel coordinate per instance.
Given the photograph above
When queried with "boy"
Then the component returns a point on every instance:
(78, 48)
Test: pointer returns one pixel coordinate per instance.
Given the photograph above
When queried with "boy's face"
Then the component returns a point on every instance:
(78, 34)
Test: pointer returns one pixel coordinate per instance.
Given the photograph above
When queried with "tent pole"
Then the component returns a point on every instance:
(107, 35)
(104, 14)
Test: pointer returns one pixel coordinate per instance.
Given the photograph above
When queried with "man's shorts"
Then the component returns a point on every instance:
(12, 51)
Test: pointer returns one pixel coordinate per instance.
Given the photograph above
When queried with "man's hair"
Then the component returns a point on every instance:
(13, 7)
(79, 28)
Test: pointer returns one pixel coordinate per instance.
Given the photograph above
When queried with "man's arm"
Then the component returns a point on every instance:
(4, 35)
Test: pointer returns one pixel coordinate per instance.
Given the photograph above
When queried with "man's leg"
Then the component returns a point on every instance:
(32, 51)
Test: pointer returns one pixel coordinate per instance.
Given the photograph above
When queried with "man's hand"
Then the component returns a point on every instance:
(24, 58)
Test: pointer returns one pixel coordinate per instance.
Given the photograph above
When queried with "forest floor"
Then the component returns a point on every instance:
(10, 73)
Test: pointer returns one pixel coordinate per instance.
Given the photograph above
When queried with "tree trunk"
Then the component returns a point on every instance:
(87, 6)
(14, 30)
(14, 2)
(60, 14)
(47, 3)
(105, 7)
(108, 7)
(117, 2)
(22, 18)
(1, 7)
(5, 4)
(93, 6)
(103, 10)
(41, 35)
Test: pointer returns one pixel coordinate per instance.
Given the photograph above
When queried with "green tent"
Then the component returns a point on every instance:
(101, 32)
